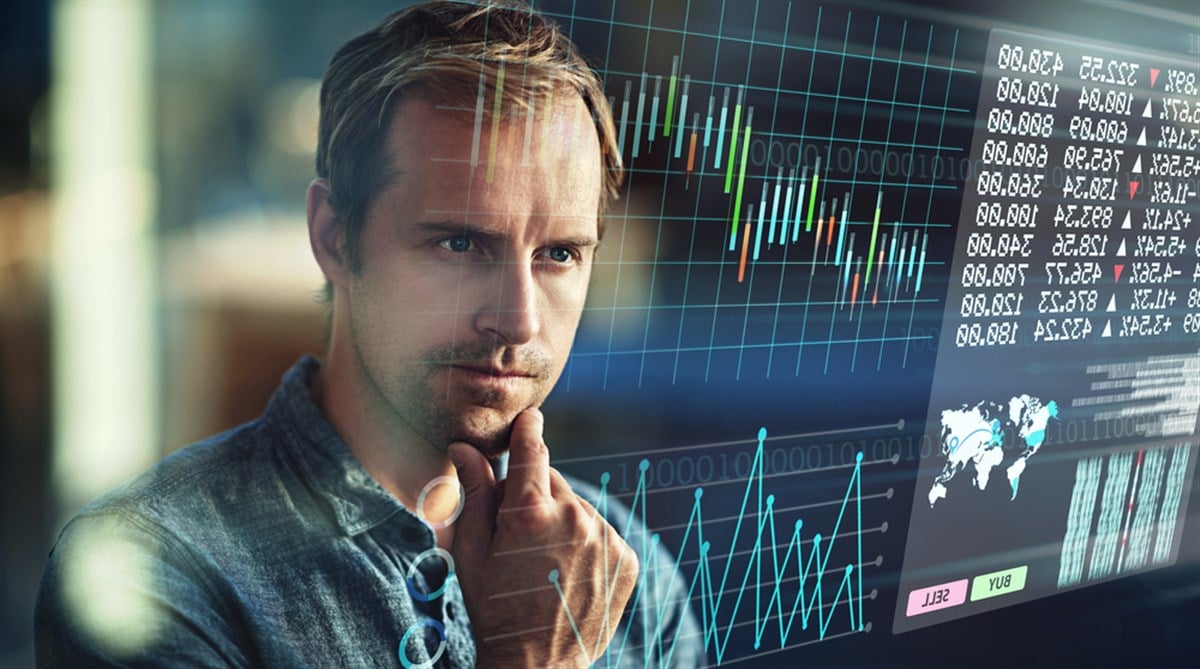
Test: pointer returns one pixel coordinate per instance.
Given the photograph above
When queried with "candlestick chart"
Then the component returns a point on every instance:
(790, 181)
(973, 240)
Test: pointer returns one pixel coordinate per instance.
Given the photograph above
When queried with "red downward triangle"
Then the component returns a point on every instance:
(1133, 186)
(1117, 269)
(1153, 76)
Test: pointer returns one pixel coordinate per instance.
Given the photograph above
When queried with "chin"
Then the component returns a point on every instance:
(488, 433)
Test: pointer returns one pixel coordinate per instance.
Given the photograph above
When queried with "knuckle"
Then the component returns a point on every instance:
(530, 513)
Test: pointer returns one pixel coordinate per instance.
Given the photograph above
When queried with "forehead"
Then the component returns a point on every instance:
(545, 163)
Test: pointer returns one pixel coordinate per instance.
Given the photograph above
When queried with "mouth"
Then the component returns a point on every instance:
(489, 369)
(491, 376)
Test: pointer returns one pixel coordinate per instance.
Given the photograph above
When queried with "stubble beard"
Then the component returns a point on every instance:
(433, 403)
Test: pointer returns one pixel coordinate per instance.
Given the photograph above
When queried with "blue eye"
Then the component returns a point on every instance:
(560, 254)
(456, 244)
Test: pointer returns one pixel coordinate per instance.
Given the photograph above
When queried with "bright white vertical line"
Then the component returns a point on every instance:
(846, 271)
(921, 265)
(787, 207)
(105, 349)
(899, 269)
(842, 228)
(708, 122)
(624, 117)
(721, 130)
(775, 205)
(654, 109)
(912, 257)
(762, 210)
(637, 122)
(683, 103)
(891, 261)
(799, 201)
(478, 123)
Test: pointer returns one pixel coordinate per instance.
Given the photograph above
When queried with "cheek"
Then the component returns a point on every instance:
(563, 310)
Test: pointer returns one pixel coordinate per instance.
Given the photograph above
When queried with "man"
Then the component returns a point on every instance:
(464, 155)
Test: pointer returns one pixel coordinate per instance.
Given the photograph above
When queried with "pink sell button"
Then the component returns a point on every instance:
(937, 597)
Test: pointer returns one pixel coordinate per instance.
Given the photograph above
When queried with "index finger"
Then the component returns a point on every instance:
(528, 462)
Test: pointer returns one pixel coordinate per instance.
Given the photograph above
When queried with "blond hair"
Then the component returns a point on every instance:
(444, 51)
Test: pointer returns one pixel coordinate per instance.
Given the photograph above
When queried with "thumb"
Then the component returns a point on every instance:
(477, 522)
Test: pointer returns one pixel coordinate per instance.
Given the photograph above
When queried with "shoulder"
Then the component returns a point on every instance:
(146, 565)
(214, 484)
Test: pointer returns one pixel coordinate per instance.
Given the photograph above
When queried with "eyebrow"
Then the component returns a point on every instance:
(493, 235)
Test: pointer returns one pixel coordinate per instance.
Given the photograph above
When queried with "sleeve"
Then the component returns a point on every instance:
(118, 592)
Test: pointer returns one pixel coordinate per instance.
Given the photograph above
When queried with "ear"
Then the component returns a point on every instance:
(326, 234)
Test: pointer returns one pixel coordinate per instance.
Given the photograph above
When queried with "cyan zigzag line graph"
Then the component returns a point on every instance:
(718, 621)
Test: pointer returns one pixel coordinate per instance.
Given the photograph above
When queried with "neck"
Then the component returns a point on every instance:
(389, 449)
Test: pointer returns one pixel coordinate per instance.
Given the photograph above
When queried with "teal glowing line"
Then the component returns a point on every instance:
(775, 206)
(846, 273)
(813, 571)
(637, 123)
(553, 578)
(758, 233)
(787, 208)
(891, 261)
(708, 122)
(799, 199)
(912, 256)
(721, 131)
(837, 257)
(921, 265)
(624, 117)
(683, 103)
(654, 109)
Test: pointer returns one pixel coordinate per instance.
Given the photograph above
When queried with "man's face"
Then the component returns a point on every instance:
(473, 278)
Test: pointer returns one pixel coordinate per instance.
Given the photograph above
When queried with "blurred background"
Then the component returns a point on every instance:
(155, 276)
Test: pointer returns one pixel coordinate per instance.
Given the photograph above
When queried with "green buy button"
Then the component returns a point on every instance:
(998, 583)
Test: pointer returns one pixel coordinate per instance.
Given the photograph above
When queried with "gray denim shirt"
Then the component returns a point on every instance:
(270, 545)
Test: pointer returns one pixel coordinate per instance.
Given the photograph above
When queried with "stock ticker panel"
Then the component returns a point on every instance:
(1067, 384)
(877, 273)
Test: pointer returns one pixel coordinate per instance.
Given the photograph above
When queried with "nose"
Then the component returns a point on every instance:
(510, 310)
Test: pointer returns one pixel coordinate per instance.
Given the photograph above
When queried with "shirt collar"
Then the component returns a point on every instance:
(357, 501)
